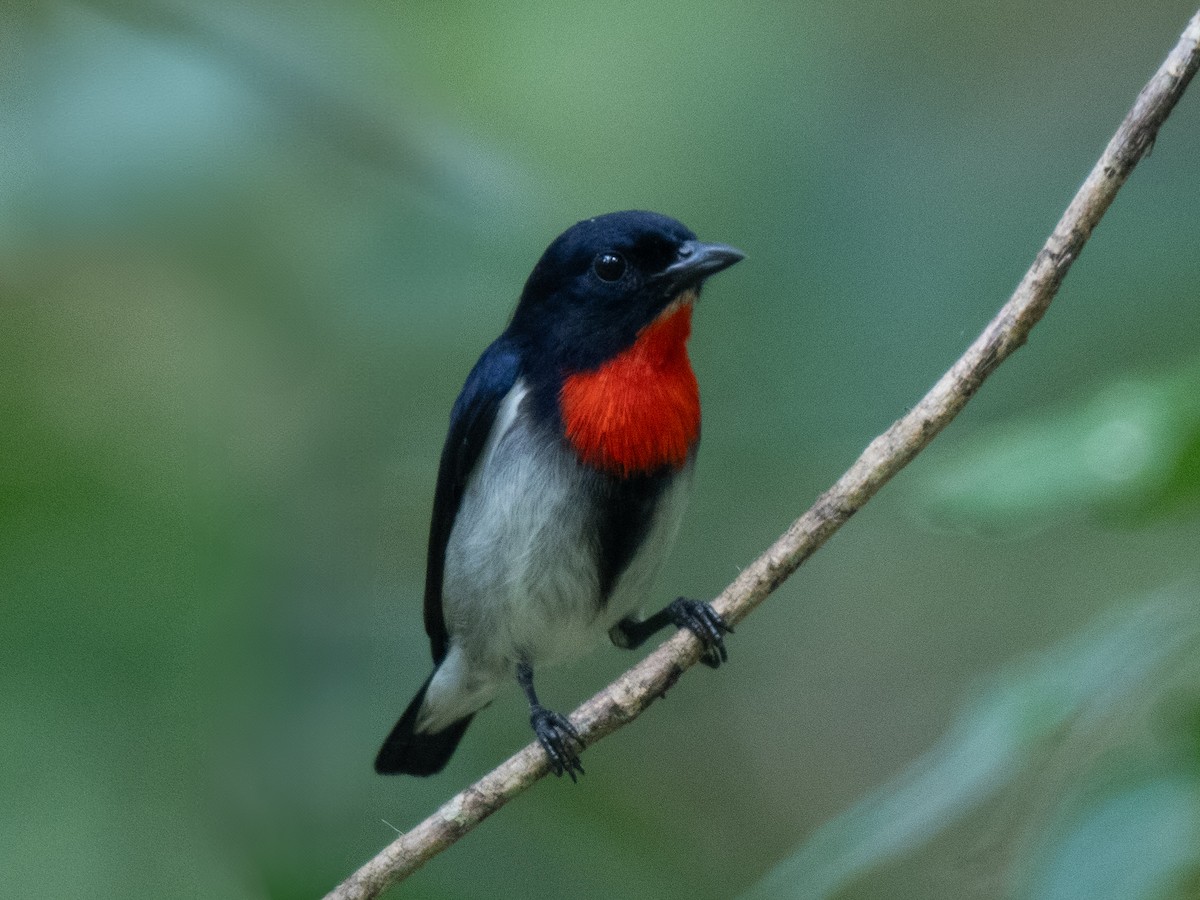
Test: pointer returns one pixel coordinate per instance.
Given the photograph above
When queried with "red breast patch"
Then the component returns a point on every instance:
(640, 411)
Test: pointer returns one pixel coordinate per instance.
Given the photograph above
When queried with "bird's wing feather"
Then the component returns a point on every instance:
(471, 423)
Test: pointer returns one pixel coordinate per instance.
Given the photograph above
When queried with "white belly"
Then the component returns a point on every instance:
(521, 577)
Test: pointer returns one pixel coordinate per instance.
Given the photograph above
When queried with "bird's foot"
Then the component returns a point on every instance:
(559, 739)
(706, 624)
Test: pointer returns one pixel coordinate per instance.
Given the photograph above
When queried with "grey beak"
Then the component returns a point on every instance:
(697, 261)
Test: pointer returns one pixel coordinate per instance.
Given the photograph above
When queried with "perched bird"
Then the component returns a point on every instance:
(563, 480)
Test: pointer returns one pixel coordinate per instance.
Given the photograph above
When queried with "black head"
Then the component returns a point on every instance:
(604, 279)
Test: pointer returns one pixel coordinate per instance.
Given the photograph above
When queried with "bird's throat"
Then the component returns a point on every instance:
(640, 411)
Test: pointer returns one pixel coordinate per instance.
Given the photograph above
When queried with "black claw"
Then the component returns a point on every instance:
(706, 624)
(559, 739)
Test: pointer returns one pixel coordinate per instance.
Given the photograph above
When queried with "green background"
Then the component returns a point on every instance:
(248, 252)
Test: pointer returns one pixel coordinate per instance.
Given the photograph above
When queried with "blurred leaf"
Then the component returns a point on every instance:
(1132, 845)
(993, 741)
(1132, 450)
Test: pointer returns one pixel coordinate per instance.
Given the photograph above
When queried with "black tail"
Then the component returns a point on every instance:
(408, 752)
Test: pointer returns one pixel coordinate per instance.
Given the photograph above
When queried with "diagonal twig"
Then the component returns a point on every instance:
(625, 699)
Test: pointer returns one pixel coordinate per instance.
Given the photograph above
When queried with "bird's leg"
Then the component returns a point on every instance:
(696, 616)
(555, 732)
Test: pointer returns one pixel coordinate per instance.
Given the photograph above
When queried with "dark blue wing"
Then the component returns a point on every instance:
(471, 422)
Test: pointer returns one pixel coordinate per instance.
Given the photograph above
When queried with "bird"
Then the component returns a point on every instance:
(562, 482)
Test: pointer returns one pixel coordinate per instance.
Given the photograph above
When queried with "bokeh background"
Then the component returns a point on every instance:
(248, 252)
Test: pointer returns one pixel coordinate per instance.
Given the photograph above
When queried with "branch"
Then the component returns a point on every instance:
(625, 699)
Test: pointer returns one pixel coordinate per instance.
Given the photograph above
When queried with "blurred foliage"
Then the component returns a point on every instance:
(1120, 820)
(1131, 452)
(248, 252)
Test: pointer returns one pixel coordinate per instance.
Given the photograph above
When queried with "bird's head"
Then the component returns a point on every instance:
(603, 280)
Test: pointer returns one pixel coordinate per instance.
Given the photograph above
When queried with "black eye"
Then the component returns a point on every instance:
(609, 266)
